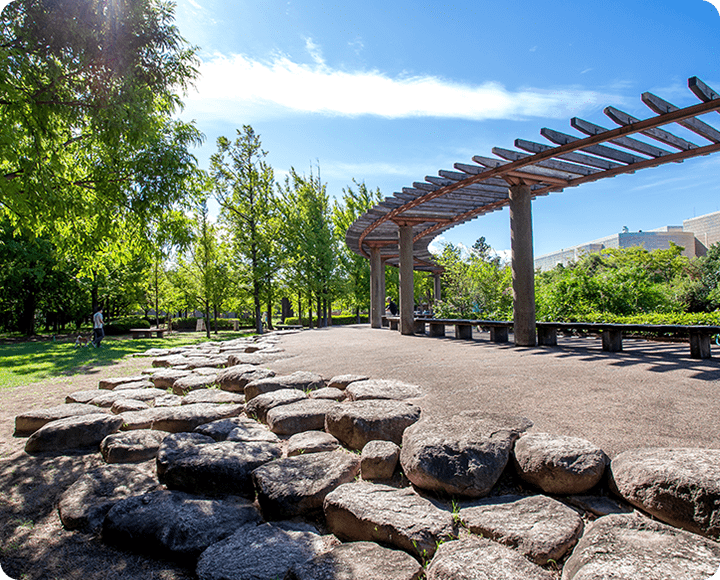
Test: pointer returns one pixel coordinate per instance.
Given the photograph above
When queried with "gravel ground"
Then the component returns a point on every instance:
(652, 394)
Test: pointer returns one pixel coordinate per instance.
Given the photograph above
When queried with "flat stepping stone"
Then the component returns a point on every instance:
(238, 429)
(355, 423)
(311, 442)
(106, 399)
(358, 561)
(379, 459)
(144, 419)
(633, 546)
(217, 361)
(243, 358)
(296, 486)
(382, 389)
(146, 383)
(30, 421)
(680, 487)
(558, 464)
(215, 396)
(263, 552)
(540, 528)
(127, 405)
(234, 378)
(112, 383)
(165, 378)
(131, 446)
(305, 415)
(342, 381)
(302, 380)
(193, 381)
(85, 503)
(370, 512)
(188, 417)
(168, 400)
(174, 524)
(329, 393)
(170, 360)
(197, 463)
(471, 558)
(260, 405)
(459, 456)
(73, 433)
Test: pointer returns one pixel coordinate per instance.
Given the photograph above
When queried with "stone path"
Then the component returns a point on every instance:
(329, 472)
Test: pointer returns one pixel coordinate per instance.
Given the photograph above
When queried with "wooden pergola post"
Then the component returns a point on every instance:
(523, 272)
(377, 288)
(407, 289)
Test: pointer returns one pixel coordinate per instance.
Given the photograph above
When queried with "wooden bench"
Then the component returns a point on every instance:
(612, 334)
(148, 332)
(463, 328)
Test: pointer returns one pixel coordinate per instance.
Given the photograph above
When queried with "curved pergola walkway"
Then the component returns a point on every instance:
(398, 230)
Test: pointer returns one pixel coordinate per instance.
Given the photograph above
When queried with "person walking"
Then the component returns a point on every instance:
(98, 328)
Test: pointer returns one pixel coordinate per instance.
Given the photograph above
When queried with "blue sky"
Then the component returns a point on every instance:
(389, 92)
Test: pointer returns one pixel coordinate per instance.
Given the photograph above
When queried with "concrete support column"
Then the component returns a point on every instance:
(523, 268)
(377, 288)
(436, 292)
(407, 289)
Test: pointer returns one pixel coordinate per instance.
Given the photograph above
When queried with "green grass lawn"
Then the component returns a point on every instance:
(29, 362)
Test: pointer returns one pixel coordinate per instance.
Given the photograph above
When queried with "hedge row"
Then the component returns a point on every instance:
(342, 319)
(123, 325)
(190, 323)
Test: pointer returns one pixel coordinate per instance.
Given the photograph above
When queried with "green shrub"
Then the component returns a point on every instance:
(123, 325)
(341, 319)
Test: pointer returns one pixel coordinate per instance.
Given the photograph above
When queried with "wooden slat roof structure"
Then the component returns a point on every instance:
(471, 190)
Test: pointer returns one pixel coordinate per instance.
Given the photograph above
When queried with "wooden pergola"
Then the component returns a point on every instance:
(398, 230)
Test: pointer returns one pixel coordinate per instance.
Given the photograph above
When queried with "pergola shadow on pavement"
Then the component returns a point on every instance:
(650, 395)
(398, 230)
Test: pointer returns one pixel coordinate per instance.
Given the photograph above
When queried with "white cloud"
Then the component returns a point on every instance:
(239, 85)
(195, 4)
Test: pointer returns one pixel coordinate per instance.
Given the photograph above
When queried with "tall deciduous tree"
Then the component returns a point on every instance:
(88, 89)
(244, 187)
(354, 269)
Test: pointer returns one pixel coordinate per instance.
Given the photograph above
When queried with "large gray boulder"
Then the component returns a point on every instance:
(302, 380)
(379, 459)
(174, 524)
(633, 546)
(364, 511)
(73, 433)
(111, 383)
(355, 423)
(214, 396)
(234, 378)
(194, 381)
(558, 464)
(198, 464)
(305, 415)
(460, 456)
(30, 421)
(264, 552)
(296, 486)
(131, 446)
(540, 528)
(382, 389)
(128, 405)
(473, 558)
(311, 442)
(260, 405)
(107, 398)
(358, 561)
(188, 417)
(165, 378)
(85, 503)
(146, 383)
(678, 486)
(144, 419)
(329, 393)
(238, 429)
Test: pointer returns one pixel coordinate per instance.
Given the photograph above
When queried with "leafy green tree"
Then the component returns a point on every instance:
(308, 238)
(244, 188)
(88, 90)
(354, 270)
